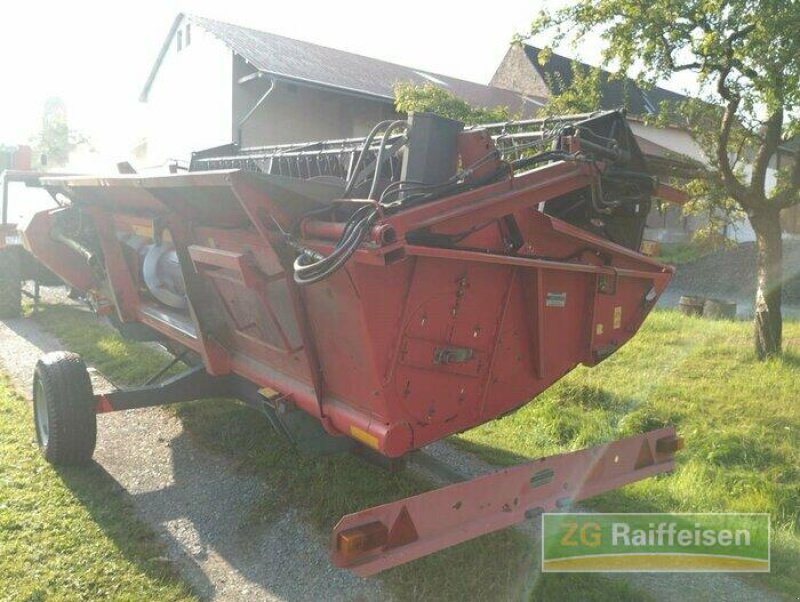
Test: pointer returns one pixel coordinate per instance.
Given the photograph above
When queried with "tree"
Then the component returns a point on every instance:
(746, 54)
(427, 97)
(583, 93)
(55, 139)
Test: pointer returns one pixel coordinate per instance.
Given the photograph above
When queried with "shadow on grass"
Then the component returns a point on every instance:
(488, 453)
(571, 417)
(110, 507)
(321, 489)
(789, 358)
(325, 488)
(498, 566)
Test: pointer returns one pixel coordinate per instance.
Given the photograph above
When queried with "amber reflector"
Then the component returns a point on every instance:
(669, 445)
(359, 540)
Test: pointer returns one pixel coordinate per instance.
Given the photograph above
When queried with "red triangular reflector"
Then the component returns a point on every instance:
(645, 456)
(403, 530)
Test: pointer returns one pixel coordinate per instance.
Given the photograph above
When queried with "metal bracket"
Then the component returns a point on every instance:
(193, 384)
(607, 283)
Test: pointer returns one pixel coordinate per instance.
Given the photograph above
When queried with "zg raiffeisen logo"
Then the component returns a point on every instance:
(655, 542)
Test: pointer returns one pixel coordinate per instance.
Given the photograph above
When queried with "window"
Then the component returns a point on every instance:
(188, 39)
(180, 40)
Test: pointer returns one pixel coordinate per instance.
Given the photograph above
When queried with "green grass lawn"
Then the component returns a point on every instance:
(70, 534)
(499, 566)
(677, 253)
(740, 419)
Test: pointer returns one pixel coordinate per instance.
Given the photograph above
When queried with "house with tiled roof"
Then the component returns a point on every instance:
(213, 83)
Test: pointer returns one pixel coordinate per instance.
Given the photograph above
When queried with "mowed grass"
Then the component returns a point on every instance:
(499, 566)
(740, 419)
(677, 253)
(70, 534)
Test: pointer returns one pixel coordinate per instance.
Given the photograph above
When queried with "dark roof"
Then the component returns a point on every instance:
(616, 93)
(318, 65)
(792, 145)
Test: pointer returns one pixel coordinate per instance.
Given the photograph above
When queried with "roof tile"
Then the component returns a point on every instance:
(303, 61)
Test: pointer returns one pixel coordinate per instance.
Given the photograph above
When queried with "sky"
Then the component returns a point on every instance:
(96, 54)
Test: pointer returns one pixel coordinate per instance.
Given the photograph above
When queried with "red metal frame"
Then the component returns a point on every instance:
(409, 342)
(382, 537)
(357, 351)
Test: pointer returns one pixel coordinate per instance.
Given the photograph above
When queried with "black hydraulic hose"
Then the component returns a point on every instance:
(311, 267)
(381, 150)
(352, 237)
(340, 260)
(367, 142)
(309, 274)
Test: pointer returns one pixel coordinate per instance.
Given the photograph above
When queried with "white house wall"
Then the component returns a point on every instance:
(189, 106)
(295, 112)
(681, 142)
(678, 141)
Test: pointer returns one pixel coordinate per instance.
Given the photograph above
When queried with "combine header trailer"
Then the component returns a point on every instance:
(383, 292)
(16, 264)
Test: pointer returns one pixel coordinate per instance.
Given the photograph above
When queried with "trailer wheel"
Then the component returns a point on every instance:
(10, 284)
(63, 409)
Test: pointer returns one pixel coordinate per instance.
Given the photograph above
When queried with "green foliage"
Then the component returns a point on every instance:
(584, 91)
(55, 140)
(746, 55)
(582, 95)
(678, 253)
(427, 97)
(709, 196)
(739, 416)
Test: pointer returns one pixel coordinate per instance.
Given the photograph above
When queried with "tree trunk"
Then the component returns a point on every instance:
(769, 282)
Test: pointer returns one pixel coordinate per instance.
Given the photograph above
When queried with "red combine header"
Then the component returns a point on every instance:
(382, 292)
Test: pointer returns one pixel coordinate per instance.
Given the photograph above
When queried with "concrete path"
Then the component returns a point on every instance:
(197, 502)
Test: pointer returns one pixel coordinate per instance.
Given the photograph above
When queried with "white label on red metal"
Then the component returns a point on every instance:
(617, 317)
(556, 300)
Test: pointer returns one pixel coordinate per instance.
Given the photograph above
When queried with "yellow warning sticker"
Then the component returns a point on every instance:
(364, 437)
(617, 317)
(143, 230)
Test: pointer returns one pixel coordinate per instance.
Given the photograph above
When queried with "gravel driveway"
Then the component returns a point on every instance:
(197, 502)
(203, 508)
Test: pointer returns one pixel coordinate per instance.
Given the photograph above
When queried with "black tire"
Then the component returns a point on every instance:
(63, 406)
(10, 284)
